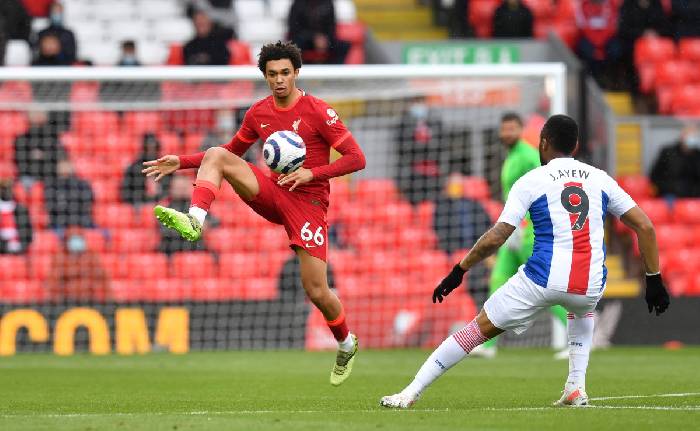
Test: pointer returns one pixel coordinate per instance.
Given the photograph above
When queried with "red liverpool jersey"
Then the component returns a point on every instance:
(312, 119)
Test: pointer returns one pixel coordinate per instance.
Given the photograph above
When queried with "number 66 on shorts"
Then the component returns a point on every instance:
(308, 235)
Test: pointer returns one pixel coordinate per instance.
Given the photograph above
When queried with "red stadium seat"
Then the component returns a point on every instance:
(134, 240)
(16, 92)
(481, 16)
(692, 287)
(689, 49)
(193, 265)
(106, 191)
(38, 216)
(96, 239)
(22, 292)
(355, 286)
(272, 239)
(493, 208)
(144, 266)
(647, 77)
(32, 196)
(679, 260)
(376, 191)
(12, 124)
(664, 98)
(85, 92)
(139, 122)
(672, 73)
(170, 143)
(175, 55)
(343, 262)
(638, 186)
(686, 100)
(223, 240)
(40, 265)
(673, 236)
(145, 217)
(476, 188)
(356, 55)
(541, 9)
(240, 53)
(260, 289)
(12, 268)
(115, 216)
(169, 289)
(241, 265)
(353, 32)
(653, 50)
(95, 123)
(657, 210)
(686, 211)
(193, 142)
(44, 241)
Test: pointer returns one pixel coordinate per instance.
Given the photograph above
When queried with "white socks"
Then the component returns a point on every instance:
(449, 353)
(199, 214)
(347, 344)
(580, 339)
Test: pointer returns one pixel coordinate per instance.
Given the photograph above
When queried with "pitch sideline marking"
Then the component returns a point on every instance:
(626, 397)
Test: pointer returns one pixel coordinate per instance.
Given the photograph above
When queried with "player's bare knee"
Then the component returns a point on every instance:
(316, 290)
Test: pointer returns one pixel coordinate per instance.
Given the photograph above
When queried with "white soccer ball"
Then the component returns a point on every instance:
(284, 151)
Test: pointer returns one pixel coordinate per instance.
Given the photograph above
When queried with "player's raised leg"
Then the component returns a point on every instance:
(455, 348)
(218, 164)
(315, 282)
(580, 330)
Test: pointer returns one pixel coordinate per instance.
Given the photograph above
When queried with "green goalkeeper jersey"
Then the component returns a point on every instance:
(521, 159)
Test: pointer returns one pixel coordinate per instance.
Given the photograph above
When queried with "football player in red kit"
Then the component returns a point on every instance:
(298, 201)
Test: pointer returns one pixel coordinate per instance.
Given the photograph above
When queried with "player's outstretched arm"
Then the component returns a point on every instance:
(161, 167)
(656, 295)
(487, 245)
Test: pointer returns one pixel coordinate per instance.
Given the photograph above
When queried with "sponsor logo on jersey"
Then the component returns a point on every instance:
(307, 245)
(295, 125)
(333, 117)
(263, 125)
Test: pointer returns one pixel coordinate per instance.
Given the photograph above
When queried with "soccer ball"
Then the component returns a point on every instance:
(284, 151)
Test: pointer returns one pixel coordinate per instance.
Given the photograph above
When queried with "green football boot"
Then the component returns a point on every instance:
(185, 224)
(343, 364)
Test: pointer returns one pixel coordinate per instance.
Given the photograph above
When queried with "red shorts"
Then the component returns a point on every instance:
(303, 217)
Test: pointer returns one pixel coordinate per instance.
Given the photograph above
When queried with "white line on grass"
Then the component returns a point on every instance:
(626, 397)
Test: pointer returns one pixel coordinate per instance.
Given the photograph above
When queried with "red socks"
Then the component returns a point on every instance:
(204, 194)
(338, 327)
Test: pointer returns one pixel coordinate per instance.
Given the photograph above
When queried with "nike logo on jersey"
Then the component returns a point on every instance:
(263, 125)
(307, 245)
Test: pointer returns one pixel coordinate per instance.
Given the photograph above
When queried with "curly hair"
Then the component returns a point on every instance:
(278, 51)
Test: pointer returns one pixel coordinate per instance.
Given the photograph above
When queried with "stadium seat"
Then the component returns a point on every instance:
(686, 211)
(686, 100)
(223, 240)
(134, 240)
(85, 92)
(672, 73)
(481, 16)
(114, 10)
(173, 30)
(17, 53)
(144, 266)
(13, 268)
(106, 191)
(689, 49)
(476, 188)
(271, 239)
(280, 8)
(638, 186)
(653, 50)
(139, 122)
(128, 29)
(158, 9)
(32, 196)
(94, 168)
(342, 261)
(99, 52)
(413, 239)
(647, 77)
(679, 260)
(664, 98)
(168, 289)
(241, 264)
(192, 265)
(376, 191)
(354, 286)
(96, 239)
(145, 217)
(37, 213)
(95, 123)
(15, 92)
(261, 29)
(240, 53)
(22, 292)
(44, 241)
(493, 209)
(657, 210)
(12, 124)
(541, 9)
(152, 52)
(175, 55)
(40, 265)
(673, 236)
(115, 216)
(353, 32)
(250, 9)
(260, 289)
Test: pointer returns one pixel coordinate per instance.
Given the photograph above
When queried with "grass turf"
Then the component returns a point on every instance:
(289, 390)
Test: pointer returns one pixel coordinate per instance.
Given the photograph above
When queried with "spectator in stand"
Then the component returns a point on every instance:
(512, 19)
(68, 198)
(65, 36)
(14, 24)
(180, 194)
(136, 188)
(220, 11)
(128, 56)
(76, 273)
(38, 8)
(311, 26)
(457, 20)
(208, 48)
(686, 18)
(639, 18)
(598, 45)
(50, 52)
(676, 171)
(421, 153)
(15, 224)
(38, 150)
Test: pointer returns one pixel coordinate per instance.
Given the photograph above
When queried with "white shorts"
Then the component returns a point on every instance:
(515, 305)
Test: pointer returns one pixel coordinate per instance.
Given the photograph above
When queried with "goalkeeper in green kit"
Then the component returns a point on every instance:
(521, 158)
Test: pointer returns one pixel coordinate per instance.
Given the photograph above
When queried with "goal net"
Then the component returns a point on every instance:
(85, 266)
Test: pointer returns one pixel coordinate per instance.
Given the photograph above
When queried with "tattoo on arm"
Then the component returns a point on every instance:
(487, 244)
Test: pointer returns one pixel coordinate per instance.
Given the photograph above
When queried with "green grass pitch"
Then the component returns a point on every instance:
(289, 390)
